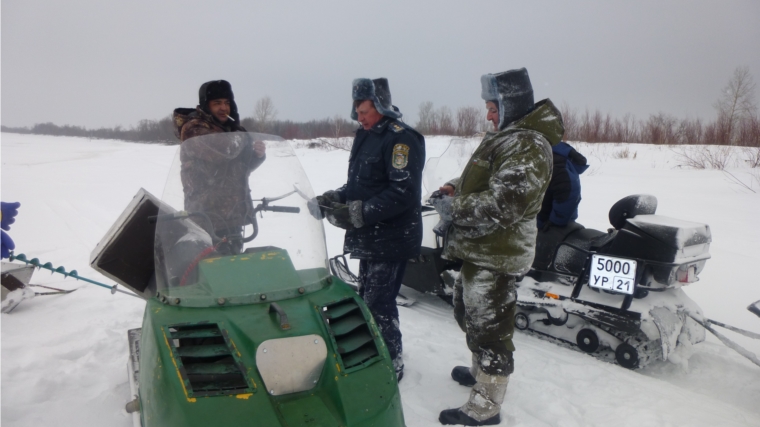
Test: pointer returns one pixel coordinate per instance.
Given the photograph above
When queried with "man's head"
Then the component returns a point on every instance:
(366, 113)
(510, 92)
(378, 93)
(216, 98)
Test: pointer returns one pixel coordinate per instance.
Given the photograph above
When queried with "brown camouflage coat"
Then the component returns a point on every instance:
(216, 163)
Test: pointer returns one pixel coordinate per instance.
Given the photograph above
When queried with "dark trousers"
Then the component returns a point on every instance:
(379, 283)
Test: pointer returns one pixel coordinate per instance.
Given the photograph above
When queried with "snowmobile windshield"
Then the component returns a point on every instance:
(234, 226)
(439, 170)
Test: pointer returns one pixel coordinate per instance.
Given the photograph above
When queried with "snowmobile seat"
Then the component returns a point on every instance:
(629, 207)
(547, 241)
(569, 259)
(423, 272)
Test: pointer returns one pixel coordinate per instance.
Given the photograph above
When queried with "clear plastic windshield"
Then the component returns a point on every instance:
(439, 170)
(227, 209)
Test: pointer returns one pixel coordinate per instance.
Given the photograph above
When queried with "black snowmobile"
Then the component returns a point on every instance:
(618, 289)
(615, 291)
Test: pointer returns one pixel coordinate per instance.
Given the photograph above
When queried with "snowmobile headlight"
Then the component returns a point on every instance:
(290, 365)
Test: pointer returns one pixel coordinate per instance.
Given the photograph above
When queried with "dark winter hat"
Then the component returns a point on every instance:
(511, 91)
(378, 92)
(217, 89)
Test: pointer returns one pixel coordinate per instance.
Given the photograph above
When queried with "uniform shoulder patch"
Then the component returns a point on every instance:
(400, 156)
(396, 127)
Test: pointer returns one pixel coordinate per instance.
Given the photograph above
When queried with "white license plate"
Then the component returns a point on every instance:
(613, 274)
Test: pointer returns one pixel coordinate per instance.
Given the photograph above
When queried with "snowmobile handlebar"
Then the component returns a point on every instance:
(286, 209)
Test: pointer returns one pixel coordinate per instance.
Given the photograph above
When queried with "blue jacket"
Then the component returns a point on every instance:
(385, 172)
(563, 196)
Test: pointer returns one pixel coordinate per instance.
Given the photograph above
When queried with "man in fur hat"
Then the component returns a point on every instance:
(222, 193)
(379, 206)
(492, 208)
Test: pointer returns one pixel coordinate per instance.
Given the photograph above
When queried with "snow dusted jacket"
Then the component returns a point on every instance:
(385, 172)
(500, 192)
(215, 169)
(563, 196)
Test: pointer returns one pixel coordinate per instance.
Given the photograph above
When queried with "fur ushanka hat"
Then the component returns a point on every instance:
(217, 89)
(511, 91)
(378, 92)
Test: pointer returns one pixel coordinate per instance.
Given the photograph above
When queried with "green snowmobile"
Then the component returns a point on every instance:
(237, 334)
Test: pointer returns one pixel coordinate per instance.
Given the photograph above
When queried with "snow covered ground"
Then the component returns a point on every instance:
(63, 357)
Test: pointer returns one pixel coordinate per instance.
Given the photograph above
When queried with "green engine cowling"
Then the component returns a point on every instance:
(203, 360)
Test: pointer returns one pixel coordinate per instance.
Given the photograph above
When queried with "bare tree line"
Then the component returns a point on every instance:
(441, 121)
(737, 123)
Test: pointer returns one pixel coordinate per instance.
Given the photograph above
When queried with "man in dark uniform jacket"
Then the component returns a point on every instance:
(379, 206)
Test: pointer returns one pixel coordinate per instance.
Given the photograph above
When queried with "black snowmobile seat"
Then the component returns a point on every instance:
(630, 206)
(547, 241)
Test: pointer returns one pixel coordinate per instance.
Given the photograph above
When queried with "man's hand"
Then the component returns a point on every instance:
(447, 190)
(339, 216)
(259, 149)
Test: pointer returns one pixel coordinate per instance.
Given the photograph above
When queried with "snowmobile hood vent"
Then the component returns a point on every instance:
(351, 333)
(206, 361)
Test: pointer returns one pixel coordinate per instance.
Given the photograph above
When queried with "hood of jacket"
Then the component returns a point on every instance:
(545, 119)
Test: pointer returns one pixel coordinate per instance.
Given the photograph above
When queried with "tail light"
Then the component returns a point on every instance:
(687, 274)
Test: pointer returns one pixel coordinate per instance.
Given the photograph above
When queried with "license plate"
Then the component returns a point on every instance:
(613, 274)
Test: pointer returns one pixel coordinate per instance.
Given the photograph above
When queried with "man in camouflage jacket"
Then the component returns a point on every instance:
(215, 169)
(492, 208)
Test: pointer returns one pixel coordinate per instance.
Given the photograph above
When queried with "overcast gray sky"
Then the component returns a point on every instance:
(104, 63)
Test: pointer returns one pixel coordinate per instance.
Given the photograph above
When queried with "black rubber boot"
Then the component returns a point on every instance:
(456, 416)
(462, 375)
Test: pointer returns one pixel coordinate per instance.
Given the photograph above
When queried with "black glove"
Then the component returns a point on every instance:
(331, 196)
(339, 216)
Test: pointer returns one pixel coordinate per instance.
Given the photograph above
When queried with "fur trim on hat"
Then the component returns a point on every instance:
(378, 92)
(512, 91)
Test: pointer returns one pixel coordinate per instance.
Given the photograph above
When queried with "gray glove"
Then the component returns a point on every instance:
(355, 213)
(441, 228)
(443, 205)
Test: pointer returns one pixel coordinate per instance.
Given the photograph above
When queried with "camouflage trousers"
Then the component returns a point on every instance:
(484, 306)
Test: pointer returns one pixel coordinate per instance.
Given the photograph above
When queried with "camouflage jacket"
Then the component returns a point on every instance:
(215, 168)
(499, 194)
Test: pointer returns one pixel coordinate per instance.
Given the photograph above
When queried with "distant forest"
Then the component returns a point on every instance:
(736, 123)
(162, 131)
